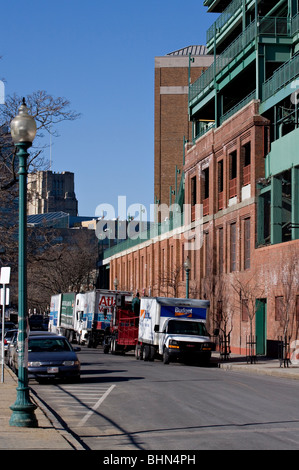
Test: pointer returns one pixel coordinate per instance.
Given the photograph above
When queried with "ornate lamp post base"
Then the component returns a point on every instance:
(23, 410)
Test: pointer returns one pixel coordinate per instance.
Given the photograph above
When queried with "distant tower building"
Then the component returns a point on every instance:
(51, 192)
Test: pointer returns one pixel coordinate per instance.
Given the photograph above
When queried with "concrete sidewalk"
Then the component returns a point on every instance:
(263, 366)
(49, 435)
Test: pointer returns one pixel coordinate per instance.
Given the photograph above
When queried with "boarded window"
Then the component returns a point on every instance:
(245, 162)
(220, 255)
(220, 185)
(247, 243)
(233, 165)
(278, 308)
(193, 191)
(233, 248)
(193, 197)
(233, 174)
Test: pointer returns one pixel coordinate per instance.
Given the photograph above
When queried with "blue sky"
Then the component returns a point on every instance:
(99, 55)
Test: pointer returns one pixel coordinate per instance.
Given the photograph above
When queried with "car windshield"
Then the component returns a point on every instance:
(9, 334)
(48, 345)
(182, 327)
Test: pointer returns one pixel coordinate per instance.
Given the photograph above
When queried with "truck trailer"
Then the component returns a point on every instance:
(174, 329)
(62, 318)
(93, 313)
(54, 317)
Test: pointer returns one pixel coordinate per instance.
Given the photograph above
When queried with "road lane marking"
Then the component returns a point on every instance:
(96, 406)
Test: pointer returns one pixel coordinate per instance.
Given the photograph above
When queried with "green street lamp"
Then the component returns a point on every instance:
(23, 130)
(187, 266)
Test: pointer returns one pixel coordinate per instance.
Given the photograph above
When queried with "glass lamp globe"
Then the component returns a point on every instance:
(187, 264)
(23, 126)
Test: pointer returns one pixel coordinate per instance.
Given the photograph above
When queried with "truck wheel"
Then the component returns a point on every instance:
(147, 353)
(113, 346)
(138, 352)
(152, 353)
(166, 359)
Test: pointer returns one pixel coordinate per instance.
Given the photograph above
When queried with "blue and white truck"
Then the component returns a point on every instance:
(93, 314)
(174, 329)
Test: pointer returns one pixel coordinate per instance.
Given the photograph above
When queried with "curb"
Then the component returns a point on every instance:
(60, 427)
(275, 370)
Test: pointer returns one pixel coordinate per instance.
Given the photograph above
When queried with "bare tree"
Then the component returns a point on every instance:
(47, 112)
(288, 280)
(221, 315)
(169, 281)
(61, 266)
(248, 290)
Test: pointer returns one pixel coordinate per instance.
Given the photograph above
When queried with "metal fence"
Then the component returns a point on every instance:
(285, 74)
(270, 26)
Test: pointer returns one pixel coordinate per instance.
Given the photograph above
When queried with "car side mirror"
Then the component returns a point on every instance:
(156, 328)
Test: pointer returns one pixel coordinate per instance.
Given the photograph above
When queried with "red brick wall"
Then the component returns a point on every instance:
(171, 120)
(151, 267)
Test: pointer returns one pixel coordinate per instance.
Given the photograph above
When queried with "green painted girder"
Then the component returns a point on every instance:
(223, 78)
(225, 30)
(203, 102)
(287, 146)
(280, 95)
(236, 66)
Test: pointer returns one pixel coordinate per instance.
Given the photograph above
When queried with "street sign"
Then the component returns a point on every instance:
(4, 275)
(6, 296)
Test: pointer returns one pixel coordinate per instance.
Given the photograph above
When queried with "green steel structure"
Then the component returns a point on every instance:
(256, 56)
(255, 44)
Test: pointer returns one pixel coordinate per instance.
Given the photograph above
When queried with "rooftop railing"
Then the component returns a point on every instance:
(222, 60)
(155, 230)
(222, 20)
(271, 26)
(282, 76)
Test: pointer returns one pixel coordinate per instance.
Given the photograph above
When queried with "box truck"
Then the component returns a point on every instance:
(54, 317)
(93, 314)
(174, 329)
(62, 319)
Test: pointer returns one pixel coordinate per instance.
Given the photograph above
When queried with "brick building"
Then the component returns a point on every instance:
(241, 168)
(172, 76)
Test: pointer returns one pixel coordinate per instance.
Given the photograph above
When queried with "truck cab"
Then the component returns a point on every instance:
(185, 339)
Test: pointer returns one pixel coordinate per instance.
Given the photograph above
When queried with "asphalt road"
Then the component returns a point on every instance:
(125, 404)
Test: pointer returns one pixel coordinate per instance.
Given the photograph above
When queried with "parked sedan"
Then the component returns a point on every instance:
(50, 356)
(8, 325)
(9, 337)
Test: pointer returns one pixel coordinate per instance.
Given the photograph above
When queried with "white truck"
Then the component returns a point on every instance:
(54, 317)
(93, 314)
(174, 329)
(62, 318)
